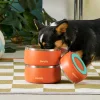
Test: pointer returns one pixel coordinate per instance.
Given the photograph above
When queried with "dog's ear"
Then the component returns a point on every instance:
(38, 25)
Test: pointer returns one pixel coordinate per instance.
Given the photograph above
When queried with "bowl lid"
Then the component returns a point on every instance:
(78, 63)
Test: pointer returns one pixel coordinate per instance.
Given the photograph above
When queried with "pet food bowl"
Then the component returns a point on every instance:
(41, 57)
(73, 67)
(47, 74)
(42, 65)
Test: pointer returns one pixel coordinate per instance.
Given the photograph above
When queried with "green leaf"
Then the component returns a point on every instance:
(37, 0)
(47, 18)
(30, 24)
(7, 29)
(3, 8)
(34, 41)
(28, 4)
(25, 34)
(23, 3)
(31, 4)
(12, 19)
(43, 18)
(4, 2)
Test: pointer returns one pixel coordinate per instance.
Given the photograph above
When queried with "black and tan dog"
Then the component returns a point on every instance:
(78, 35)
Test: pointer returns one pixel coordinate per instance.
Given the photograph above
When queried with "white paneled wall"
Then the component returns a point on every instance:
(91, 9)
(56, 8)
(60, 9)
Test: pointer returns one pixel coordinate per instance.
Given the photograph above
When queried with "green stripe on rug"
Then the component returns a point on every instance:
(93, 78)
(65, 82)
(58, 90)
(6, 81)
(92, 86)
(97, 67)
(91, 70)
(5, 90)
(18, 70)
(6, 67)
(6, 74)
(27, 86)
(19, 78)
(19, 63)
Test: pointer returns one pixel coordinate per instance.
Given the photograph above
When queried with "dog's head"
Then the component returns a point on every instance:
(49, 35)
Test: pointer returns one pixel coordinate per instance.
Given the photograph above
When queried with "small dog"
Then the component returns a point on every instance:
(78, 35)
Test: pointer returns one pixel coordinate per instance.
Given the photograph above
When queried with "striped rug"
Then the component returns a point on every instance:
(12, 81)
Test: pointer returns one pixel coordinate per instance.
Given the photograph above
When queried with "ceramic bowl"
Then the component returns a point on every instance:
(41, 74)
(73, 67)
(41, 57)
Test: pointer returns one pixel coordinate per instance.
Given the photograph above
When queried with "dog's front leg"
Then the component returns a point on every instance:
(88, 58)
(89, 47)
(84, 45)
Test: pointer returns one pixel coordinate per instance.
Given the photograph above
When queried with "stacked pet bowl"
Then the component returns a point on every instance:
(42, 65)
(73, 67)
(45, 65)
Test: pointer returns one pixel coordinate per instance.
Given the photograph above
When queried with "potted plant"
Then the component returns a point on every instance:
(16, 22)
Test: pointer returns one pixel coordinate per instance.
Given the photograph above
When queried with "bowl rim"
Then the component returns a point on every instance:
(33, 66)
(29, 47)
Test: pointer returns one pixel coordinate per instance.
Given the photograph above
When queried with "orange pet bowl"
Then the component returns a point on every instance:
(73, 67)
(47, 74)
(41, 57)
